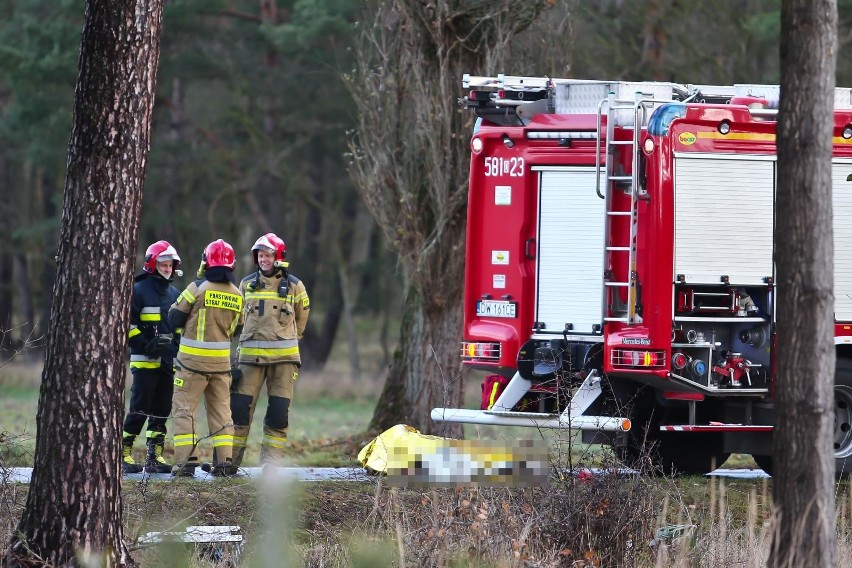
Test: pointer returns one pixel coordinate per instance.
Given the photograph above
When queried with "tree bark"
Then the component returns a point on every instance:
(803, 486)
(73, 513)
(410, 165)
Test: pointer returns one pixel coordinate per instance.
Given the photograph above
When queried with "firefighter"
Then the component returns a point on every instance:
(276, 313)
(153, 346)
(209, 312)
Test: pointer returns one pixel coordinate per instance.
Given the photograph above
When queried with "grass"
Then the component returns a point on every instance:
(606, 521)
(327, 409)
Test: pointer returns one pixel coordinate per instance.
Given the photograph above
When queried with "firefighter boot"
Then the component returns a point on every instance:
(220, 468)
(154, 462)
(225, 469)
(238, 455)
(128, 464)
(185, 470)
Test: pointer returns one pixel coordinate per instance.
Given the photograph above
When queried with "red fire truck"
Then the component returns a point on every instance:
(619, 266)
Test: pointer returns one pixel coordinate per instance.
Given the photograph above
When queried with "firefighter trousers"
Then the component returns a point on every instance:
(189, 388)
(280, 379)
(151, 400)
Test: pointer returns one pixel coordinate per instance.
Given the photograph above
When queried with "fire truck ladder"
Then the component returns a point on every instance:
(616, 180)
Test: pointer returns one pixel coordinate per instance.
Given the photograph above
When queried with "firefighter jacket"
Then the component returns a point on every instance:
(276, 313)
(148, 339)
(209, 312)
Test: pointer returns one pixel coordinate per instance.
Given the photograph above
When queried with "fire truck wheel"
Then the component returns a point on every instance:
(670, 453)
(842, 423)
(693, 454)
(843, 418)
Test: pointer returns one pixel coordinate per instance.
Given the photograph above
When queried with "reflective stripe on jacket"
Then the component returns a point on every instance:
(213, 310)
(149, 305)
(273, 324)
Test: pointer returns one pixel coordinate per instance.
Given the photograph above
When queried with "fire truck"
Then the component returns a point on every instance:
(620, 275)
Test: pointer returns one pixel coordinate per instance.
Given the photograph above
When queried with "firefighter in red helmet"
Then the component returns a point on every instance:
(275, 315)
(153, 346)
(208, 312)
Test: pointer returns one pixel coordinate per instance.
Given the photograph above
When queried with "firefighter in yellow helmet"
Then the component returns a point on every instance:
(209, 312)
(275, 316)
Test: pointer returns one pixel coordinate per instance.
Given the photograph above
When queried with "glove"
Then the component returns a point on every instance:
(236, 377)
(153, 349)
(170, 350)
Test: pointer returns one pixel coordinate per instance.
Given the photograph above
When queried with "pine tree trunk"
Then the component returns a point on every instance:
(804, 481)
(74, 505)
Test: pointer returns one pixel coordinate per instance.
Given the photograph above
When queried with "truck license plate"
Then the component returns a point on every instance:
(496, 309)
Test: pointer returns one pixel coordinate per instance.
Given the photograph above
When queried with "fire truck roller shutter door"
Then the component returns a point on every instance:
(570, 264)
(842, 212)
(743, 202)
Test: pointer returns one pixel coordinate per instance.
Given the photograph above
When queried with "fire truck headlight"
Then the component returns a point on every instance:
(724, 127)
(648, 145)
(847, 132)
(476, 145)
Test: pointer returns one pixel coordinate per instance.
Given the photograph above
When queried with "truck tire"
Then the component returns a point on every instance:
(843, 418)
(842, 423)
(690, 454)
(669, 453)
(674, 453)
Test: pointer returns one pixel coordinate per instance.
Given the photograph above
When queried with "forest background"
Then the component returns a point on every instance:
(253, 127)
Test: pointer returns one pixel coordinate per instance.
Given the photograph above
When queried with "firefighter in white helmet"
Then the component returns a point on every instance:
(276, 313)
(153, 346)
(209, 311)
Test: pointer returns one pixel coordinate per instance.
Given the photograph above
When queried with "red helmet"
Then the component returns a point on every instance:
(219, 253)
(270, 242)
(160, 251)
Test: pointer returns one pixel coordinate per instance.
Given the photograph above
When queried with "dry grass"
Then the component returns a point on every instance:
(577, 522)
(609, 520)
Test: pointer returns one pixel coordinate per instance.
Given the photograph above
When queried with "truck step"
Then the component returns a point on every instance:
(717, 427)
